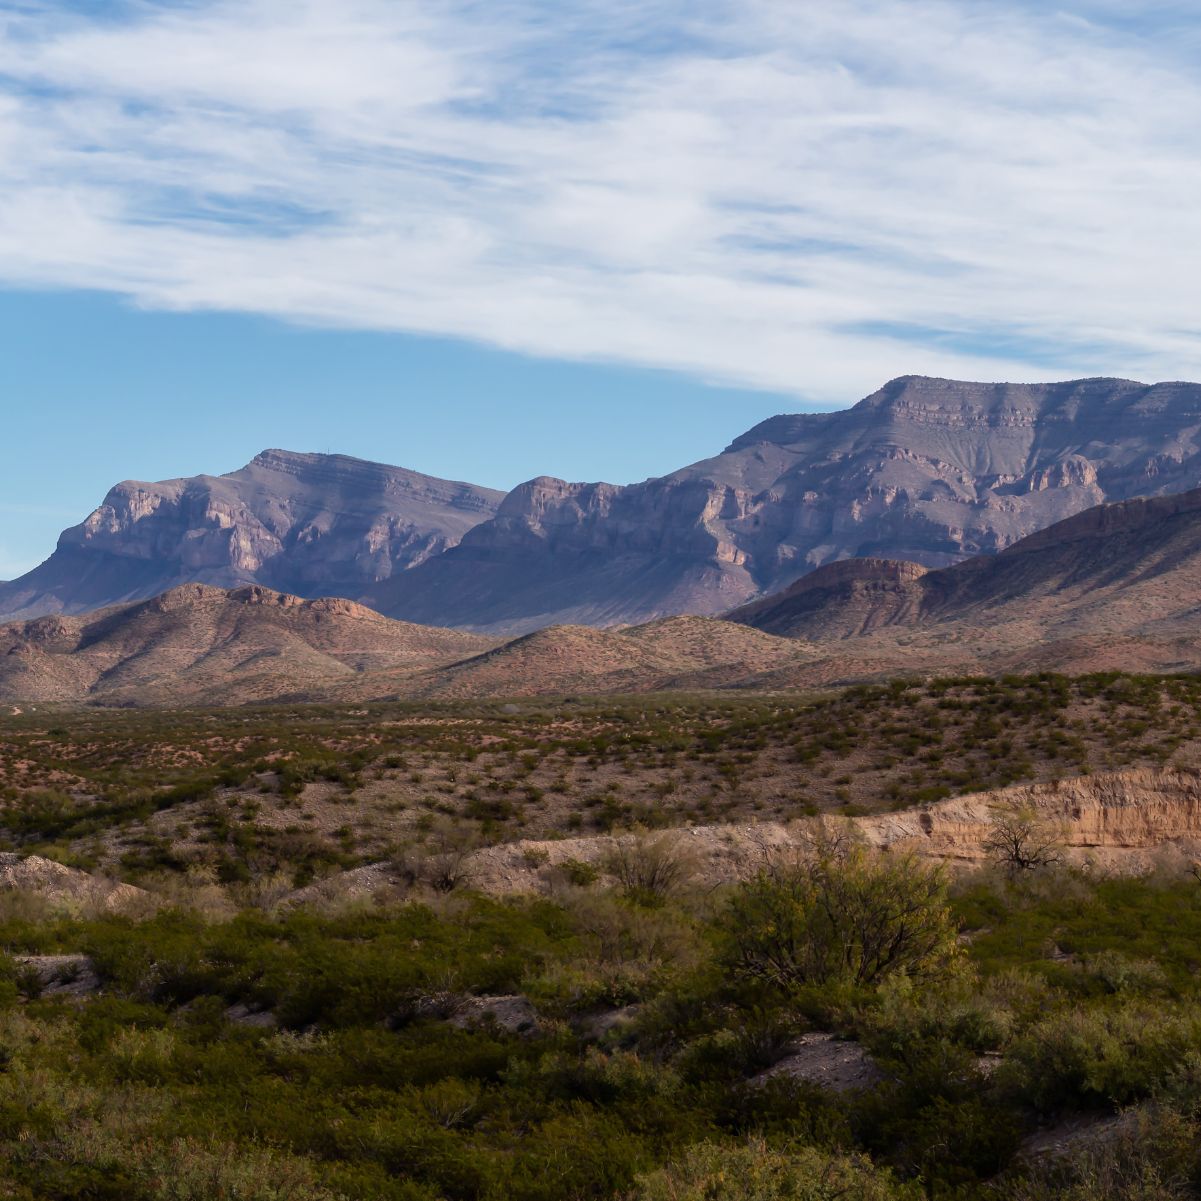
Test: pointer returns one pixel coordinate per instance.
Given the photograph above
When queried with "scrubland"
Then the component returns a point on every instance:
(303, 791)
(1028, 1031)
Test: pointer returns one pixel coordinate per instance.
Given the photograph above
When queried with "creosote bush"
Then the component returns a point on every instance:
(840, 917)
(640, 1077)
(650, 868)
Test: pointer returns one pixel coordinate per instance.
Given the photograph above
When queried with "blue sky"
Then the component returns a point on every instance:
(593, 239)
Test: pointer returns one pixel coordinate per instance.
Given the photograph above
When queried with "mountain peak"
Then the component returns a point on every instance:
(929, 398)
(937, 392)
(292, 521)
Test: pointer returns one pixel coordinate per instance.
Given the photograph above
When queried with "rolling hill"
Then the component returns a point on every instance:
(201, 645)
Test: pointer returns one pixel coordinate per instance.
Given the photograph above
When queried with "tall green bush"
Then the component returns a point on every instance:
(841, 917)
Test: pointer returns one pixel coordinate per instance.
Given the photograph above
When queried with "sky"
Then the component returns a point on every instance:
(490, 239)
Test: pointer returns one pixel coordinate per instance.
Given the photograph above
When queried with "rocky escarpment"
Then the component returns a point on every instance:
(314, 525)
(1117, 819)
(1127, 822)
(930, 471)
(584, 554)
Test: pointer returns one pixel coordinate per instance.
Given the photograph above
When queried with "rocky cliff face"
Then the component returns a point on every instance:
(1106, 818)
(311, 524)
(926, 470)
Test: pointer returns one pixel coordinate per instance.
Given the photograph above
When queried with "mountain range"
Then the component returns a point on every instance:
(1115, 587)
(931, 472)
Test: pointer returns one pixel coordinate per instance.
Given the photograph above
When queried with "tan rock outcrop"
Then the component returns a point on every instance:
(1122, 821)
(66, 886)
(1141, 810)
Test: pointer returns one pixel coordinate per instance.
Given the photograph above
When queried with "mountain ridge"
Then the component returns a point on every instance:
(1116, 581)
(1114, 587)
(923, 469)
(927, 470)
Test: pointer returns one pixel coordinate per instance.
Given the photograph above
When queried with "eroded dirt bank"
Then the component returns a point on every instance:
(1124, 821)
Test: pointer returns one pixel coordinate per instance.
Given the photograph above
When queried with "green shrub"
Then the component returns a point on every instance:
(1100, 1055)
(840, 918)
(1150, 1155)
(753, 1172)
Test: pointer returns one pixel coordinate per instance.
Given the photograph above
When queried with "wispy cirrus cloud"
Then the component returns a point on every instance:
(804, 197)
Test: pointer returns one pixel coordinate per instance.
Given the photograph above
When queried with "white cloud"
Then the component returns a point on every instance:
(757, 192)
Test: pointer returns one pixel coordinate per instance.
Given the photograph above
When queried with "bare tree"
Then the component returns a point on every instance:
(1021, 839)
(444, 861)
(651, 868)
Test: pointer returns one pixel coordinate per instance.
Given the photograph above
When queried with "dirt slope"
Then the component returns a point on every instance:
(677, 652)
(64, 886)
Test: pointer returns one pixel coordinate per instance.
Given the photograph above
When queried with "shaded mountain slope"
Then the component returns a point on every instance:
(1118, 585)
(852, 596)
(931, 471)
(314, 525)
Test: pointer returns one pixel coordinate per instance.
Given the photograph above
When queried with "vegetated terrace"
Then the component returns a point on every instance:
(308, 790)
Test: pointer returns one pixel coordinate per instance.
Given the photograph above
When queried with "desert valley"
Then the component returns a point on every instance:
(600, 601)
(820, 820)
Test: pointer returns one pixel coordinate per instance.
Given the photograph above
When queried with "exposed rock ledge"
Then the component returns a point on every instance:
(1108, 818)
(1123, 821)
(65, 886)
(1127, 822)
